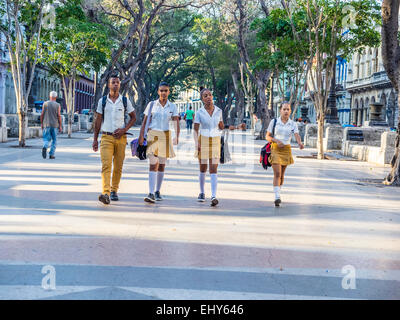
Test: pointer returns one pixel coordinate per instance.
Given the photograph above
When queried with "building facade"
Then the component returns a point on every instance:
(84, 94)
(187, 98)
(368, 83)
(343, 97)
(43, 83)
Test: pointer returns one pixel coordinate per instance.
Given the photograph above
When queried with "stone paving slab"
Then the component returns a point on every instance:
(181, 249)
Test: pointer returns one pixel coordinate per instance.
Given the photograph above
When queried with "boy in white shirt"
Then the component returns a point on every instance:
(111, 120)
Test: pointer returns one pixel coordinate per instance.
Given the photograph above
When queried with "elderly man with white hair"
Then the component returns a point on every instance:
(50, 120)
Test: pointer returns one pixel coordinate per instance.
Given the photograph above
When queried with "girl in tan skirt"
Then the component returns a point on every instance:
(159, 142)
(208, 144)
(281, 152)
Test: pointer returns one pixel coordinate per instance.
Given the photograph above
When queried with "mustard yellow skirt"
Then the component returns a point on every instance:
(210, 148)
(282, 156)
(159, 144)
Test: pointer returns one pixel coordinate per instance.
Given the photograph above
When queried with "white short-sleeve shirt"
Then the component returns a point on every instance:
(114, 113)
(160, 116)
(283, 131)
(209, 124)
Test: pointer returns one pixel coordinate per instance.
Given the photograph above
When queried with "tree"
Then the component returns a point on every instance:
(133, 21)
(259, 76)
(284, 51)
(75, 47)
(331, 31)
(21, 27)
(169, 51)
(391, 63)
(214, 61)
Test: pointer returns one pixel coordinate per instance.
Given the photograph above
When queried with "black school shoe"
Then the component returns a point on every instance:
(44, 153)
(201, 197)
(114, 196)
(277, 202)
(214, 201)
(158, 196)
(150, 198)
(52, 157)
(104, 198)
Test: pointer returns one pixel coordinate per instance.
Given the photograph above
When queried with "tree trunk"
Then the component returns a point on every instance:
(393, 177)
(238, 111)
(391, 63)
(320, 135)
(22, 128)
(263, 113)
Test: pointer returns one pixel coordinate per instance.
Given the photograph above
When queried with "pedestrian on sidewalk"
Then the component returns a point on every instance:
(281, 152)
(50, 121)
(208, 143)
(110, 118)
(159, 145)
(189, 115)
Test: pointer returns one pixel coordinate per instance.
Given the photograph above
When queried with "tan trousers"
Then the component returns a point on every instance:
(112, 152)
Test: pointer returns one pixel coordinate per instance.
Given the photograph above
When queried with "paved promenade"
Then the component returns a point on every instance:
(332, 224)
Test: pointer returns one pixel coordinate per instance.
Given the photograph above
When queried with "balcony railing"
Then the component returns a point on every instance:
(376, 77)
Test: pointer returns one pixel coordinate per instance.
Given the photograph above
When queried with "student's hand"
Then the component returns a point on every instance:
(301, 146)
(95, 145)
(60, 129)
(141, 140)
(119, 133)
(176, 141)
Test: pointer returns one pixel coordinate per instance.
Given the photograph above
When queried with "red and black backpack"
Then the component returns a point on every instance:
(266, 151)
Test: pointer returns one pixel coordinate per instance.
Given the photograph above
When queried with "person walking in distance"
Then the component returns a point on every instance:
(189, 115)
(208, 144)
(110, 118)
(159, 145)
(281, 152)
(50, 121)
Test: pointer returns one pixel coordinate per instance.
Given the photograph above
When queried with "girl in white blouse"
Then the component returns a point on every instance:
(281, 152)
(208, 144)
(159, 142)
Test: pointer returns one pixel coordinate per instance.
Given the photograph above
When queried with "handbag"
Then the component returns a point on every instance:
(137, 149)
(222, 158)
(266, 151)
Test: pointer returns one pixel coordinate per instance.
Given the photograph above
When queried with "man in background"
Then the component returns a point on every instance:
(189, 117)
(50, 120)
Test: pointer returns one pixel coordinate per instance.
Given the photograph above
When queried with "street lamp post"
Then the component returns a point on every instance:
(332, 112)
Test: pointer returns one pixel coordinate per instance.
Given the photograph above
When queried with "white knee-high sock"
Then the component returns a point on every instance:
(202, 180)
(152, 181)
(160, 177)
(277, 192)
(214, 182)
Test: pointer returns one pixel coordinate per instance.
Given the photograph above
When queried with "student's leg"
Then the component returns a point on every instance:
(160, 172)
(283, 169)
(154, 163)
(214, 177)
(202, 175)
(277, 179)
(106, 155)
(119, 157)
